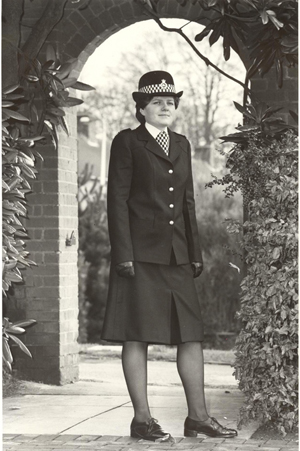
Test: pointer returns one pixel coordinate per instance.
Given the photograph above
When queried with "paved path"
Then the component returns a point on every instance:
(114, 443)
(87, 415)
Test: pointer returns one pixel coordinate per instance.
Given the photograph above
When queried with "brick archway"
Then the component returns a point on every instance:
(50, 294)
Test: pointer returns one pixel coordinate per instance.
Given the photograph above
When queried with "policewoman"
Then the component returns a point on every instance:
(155, 256)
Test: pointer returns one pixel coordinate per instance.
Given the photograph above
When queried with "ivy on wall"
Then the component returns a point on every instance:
(266, 348)
(263, 165)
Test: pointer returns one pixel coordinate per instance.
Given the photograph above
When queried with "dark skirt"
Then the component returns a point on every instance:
(159, 305)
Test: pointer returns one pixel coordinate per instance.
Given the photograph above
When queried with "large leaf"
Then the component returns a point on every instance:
(72, 101)
(55, 111)
(10, 88)
(50, 53)
(294, 115)
(14, 96)
(16, 115)
(25, 323)
(7, 103)
(218, 29)
(6, 350)
(21, 345)
(63, 125)
(82, 86)
(66, 68)
(12, 329)
(69, 82)
(48, 64)
(27, 171)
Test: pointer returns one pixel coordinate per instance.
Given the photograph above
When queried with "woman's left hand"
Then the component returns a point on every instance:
(197, 269)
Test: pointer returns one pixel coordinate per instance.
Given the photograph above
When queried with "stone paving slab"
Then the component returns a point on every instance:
(95, 442)
(91, 414)
(50, 418)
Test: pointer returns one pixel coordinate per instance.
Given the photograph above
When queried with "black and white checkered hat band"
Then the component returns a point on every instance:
(162, 87)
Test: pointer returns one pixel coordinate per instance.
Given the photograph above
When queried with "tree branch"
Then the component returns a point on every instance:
(12, 11)
(52, 14)
(184, 36)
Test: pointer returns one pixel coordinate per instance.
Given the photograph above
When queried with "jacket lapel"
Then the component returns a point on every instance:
(175, 146)
(150, 143)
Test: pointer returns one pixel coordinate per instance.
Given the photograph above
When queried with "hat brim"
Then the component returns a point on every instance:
(140, 95)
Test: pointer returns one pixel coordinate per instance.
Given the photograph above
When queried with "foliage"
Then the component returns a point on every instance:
(9, 332)
(84, 305)
(52, 80)
(268, 29)
(218, 287)
(44, 107)
(94, 251)
(20, 133)
(248, 169)
(266, 349)
(263, 166)
(18, 157)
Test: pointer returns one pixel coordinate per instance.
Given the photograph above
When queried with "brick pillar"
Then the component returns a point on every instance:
(50, 292)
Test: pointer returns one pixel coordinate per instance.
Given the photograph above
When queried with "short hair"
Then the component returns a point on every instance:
(144, 101)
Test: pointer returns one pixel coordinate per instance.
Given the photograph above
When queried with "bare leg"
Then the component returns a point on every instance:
(190, 365)
(134, 361)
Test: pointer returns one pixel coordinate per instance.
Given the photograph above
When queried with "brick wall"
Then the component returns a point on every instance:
(50, 294)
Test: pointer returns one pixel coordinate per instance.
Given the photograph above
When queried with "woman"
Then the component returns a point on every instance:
(155, 254)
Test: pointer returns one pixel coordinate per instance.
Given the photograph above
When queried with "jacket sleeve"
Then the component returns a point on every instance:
(189, 214)
(118, 190)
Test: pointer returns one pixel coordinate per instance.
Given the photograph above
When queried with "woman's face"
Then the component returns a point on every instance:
(159, 112)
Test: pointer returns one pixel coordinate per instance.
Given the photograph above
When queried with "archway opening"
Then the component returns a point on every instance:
(206, 112)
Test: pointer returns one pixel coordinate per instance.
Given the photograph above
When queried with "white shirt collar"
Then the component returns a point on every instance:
(153, 130)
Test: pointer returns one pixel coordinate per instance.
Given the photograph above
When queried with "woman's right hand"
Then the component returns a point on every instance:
(125, 269)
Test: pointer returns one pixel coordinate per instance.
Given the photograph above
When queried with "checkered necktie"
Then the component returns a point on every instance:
(163, 140)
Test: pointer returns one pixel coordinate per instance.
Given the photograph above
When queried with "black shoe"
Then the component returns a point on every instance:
(149, 430)
(213, 429)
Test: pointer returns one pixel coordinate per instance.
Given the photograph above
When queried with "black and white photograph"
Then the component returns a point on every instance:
(150, 225)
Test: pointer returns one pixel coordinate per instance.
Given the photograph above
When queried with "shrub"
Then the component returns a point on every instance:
(94, 252)
(263, 166)
(219, 286)
(266, 349)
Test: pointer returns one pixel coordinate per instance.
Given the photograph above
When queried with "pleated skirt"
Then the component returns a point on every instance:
(159, 306)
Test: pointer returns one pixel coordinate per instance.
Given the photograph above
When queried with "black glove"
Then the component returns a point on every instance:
(197, 268)
(125, 269)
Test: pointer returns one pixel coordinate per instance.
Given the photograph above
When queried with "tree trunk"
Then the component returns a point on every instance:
(52, 14)
(12, 11)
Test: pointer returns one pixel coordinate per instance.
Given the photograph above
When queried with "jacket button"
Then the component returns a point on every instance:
(171, 171)
(171, 222)
(171, 205)
(171, 188)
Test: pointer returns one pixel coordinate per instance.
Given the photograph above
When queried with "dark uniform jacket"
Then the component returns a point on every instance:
(151, 206)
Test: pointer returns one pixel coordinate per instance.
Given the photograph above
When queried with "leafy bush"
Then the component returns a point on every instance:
(219, 286)
(263, 166)
(266, 357)
(94, 252)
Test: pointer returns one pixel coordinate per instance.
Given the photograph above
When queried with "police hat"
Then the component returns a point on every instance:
(156, 83)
